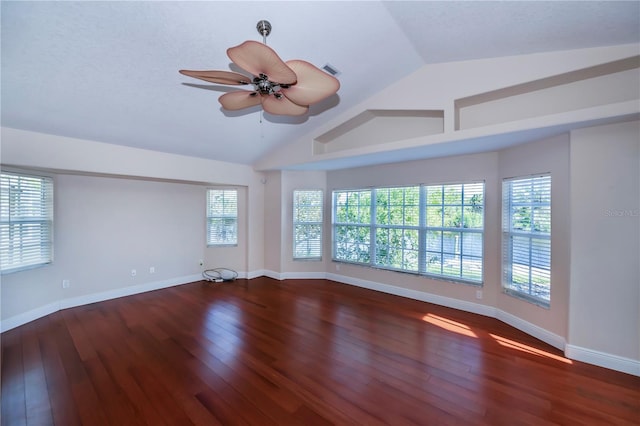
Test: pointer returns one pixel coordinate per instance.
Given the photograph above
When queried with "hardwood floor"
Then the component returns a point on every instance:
(299, 352)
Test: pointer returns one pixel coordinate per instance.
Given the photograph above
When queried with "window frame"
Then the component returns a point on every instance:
(371, 230)
(508, 234)
(307, 223)
(405, 249)
(353, 225)
(461, 230)
(45, 222)
(224, 216)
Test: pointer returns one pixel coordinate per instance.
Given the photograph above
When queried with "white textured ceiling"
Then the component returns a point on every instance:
(108, 71)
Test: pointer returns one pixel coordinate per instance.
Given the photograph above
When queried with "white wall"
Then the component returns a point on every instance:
(477, 167)
(273, 232)
(129, 192)
(104, 228)
(39, 150)
(605, 242)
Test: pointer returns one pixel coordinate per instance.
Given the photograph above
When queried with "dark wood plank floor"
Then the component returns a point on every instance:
(299, 352)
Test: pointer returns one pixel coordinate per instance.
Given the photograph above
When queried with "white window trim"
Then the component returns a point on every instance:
(372, 226)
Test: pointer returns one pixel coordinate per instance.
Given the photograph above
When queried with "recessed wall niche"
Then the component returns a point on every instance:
(600, 85)
(375, 127)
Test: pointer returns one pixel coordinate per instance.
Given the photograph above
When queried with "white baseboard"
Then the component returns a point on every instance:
(25, 317)
(253, 274)
(271, 274)
(303, 275)
(449, 302)
(126, 291)
(603, 359)
(42, 311)
(538, 332)
(463, 305)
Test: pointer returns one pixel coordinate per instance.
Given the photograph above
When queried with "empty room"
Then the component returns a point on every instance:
(320, 213)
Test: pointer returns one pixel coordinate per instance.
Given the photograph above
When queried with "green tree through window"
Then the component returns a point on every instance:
(454, 237)
(352, 219)
(432, 230)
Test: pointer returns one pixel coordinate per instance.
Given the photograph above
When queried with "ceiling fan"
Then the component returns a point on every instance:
(283, 88)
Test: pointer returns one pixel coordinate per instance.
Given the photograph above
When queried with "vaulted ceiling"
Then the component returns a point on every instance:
(108, 71)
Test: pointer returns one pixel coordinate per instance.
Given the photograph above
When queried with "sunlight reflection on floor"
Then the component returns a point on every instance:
(465, 330)
(226, 341)
(503, 341)
(449, 325)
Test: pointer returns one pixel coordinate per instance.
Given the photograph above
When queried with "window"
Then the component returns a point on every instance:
(435, 230)
(454, 236)
(397, 228)
(222, 217)
(26, 221)
(352, 226)
(307, 224)
(526, 238)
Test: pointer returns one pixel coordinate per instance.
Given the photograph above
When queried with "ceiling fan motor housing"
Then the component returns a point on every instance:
(265, 86)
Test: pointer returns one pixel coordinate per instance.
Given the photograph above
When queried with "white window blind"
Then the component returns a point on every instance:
(526, 238)
(222, 217)
(26, 221)
(307, 224)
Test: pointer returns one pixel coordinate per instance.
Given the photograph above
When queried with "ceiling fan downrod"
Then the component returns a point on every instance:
(262, 83)
(264, 28)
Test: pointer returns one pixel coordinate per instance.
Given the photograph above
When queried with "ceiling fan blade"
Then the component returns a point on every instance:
(220, 77)
(258, 58)
(313, 84)
(240, 99)
(282, 106)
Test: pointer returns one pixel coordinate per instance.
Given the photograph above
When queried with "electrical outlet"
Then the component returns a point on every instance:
(152, 270)
(201, 262)
(478, 294)
(134, 273)
(66, 284)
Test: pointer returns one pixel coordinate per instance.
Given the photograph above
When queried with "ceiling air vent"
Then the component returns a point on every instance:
(331, 69)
